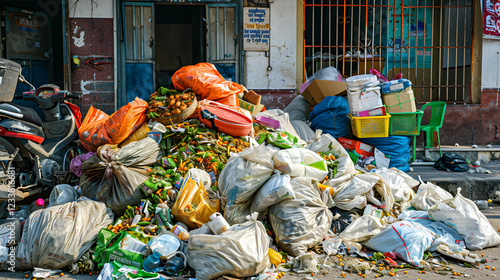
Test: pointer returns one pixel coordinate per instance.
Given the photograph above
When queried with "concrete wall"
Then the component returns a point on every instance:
(283, 33)
(91, 33)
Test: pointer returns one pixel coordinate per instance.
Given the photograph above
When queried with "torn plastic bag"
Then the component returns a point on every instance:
(76, 164)
(204, 80)
(303, 222)
(429, 195)
(304, 130)
(119, 271)
(362, 229)
(193, 206)
(59, 235)
(399, 188)
(98, 128)
(241, 251)
(114, 176)
(276, 189)
(444, 234)
(326, 143)
(298, 162)
(463, 215)
(356, 192)
(62, 194)
(241, 178)
(298, 109)
(407, 239)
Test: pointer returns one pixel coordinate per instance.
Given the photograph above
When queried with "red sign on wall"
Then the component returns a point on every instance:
(491, 17)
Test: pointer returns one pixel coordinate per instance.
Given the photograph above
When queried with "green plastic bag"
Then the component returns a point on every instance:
(117, 271)
(122, 247)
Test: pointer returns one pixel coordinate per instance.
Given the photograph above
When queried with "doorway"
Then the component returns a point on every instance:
(180, 33)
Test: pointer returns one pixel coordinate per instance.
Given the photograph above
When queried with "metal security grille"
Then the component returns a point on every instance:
(429, 42)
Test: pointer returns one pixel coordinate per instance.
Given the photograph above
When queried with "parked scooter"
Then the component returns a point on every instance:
(37, 152)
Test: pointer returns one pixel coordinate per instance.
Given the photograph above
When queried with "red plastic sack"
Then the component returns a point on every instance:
(98, 128)
(204, 80)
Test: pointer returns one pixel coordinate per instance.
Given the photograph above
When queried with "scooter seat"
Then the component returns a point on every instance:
(20, 112)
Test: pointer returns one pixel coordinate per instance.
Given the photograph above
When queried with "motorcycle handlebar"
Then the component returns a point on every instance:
(76, 96)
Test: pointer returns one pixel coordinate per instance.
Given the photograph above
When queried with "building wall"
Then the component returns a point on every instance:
(91, 33)
(282, 55)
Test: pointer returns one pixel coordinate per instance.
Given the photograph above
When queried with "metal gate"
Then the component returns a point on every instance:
(429, 42)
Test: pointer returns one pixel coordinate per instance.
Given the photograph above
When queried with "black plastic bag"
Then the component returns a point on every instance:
(452, 162)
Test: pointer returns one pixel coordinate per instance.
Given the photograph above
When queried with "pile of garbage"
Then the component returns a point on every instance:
(163, 193)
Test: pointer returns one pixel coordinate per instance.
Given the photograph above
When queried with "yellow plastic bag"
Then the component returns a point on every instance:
(139, 134)
(193, 206)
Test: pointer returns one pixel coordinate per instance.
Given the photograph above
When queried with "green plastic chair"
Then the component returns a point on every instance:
(437, 117)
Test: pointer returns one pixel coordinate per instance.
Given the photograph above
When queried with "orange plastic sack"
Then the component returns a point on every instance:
(204, 80)
(98, 128)
(193, 206)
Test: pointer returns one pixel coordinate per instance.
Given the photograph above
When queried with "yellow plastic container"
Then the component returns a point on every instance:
(275, 257)
(368, 127)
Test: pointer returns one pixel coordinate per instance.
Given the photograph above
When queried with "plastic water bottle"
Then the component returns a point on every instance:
(152, 262)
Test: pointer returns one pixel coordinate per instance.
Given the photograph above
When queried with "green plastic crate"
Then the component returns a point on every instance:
(405, 124)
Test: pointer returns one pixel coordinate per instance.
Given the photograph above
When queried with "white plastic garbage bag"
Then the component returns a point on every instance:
(327, 143)
(298, 109)
(62, 194)
(303, 222)
(429, 195)
(59, 235)
(241, 251)
(299, 162)
(304, 130)
(407, 239)
(356, 192)
(362, 229)
(399, 188)
(443, 233)
(463, 215)
(276, 189)
(240, 179)
(283, 118)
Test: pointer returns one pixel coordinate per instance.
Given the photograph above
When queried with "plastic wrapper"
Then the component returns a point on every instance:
(116, 270)
(429, 195)
(206, 82)
(241, 251)
(241, 178)
(123, 247)
(463, 215)
(303, 222)
(193, 206)
(276, 189)
(98, 128)
(407, 239)
(114, 176)
(57, 236)
(300, 162)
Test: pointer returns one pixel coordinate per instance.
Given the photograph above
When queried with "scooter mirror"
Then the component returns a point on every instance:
(24, 81)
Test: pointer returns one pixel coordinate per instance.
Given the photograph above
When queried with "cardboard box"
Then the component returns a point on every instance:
(317, 90)
(254, 109)
(400, 102)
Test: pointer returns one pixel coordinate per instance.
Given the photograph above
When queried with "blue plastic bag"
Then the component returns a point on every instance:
(397, 147)
(330, 115)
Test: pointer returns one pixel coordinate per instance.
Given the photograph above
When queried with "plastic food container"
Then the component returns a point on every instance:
(226, 120)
